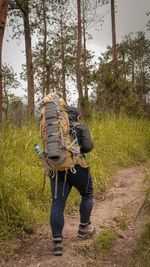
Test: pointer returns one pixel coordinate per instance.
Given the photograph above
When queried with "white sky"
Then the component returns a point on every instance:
(130, 17)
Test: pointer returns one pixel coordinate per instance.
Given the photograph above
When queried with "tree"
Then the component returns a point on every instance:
(133, 80)
(41, 23)
(3, 16)
(78, 64)
(89, 18)
(45, 66)
(114, 52)
(148, 23)
(62, 56)
(138, 56)
(9, 82)
(54, 57)
(84, 56)
(17, 111)
(23, 7)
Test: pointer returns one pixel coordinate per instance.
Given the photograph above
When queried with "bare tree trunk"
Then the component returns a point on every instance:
(47, 80)
(24, 7)
(7, 98)
(3, 16)
(133, 79)
(44, 50)
(114, 52)
(124, 75)
(29, 66)
(84, 59)
(63, 71)
(63, 62)
(142, 88)
(52, 78)
(78, 67)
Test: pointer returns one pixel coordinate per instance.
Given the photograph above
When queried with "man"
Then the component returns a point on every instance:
(82, 181)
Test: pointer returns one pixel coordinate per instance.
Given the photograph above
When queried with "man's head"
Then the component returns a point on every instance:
(73, 113)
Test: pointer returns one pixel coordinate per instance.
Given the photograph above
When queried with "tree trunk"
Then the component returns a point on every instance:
(44, 51)
(29, 66)
(7, 98)
(142, 88)
(84, 59)
(63, 62)
(114, 52)
(78, 67)
(133, 79)
(47, 80)
(124, 75)
(52, 79)
(63, 71)
(3, 16)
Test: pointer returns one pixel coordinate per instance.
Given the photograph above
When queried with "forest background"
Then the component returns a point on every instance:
(112, 95)
(56, 35)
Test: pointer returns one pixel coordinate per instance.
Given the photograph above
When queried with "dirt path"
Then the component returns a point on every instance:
(124, 194)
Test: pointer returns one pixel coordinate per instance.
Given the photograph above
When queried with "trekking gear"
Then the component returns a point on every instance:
(57, 245)
(39, 152)
(61, 150)
(86, 231)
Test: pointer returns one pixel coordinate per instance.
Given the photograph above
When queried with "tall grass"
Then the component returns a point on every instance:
(119, 142)
(22, 203)
(141, 255)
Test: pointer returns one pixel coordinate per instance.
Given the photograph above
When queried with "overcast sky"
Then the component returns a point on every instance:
(130, 17)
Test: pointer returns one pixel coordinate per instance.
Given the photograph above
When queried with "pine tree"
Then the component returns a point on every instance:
(114, 51)
(20, 8)
(9, 82)
(78, 63)
(3, 16)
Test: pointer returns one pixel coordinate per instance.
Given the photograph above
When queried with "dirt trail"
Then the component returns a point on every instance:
(125, 191)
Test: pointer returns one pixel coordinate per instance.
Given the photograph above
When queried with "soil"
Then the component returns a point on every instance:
(124, 195)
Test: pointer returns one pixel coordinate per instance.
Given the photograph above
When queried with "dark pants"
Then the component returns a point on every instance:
(82, 181)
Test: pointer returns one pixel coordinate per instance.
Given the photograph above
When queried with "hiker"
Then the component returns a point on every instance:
(81, 179)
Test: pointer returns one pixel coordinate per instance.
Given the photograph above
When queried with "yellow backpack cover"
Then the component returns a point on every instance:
(61, 150)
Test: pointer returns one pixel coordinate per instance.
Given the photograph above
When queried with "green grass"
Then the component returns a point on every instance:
(99, 248)
(119, 142)
(122, 219)
(141, 254)
(22, 203)
(104, 241)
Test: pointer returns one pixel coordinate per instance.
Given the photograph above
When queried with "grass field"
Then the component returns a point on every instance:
(119, 142)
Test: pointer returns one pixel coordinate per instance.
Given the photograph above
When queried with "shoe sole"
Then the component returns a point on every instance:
(87, 235)
(58, 253)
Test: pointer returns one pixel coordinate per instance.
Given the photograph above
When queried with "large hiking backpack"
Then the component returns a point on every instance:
(61, 149)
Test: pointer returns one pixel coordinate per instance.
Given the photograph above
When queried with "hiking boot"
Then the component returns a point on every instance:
(57, 246)
(86, 231)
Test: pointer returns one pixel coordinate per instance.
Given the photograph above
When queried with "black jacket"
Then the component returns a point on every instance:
(84, 137)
